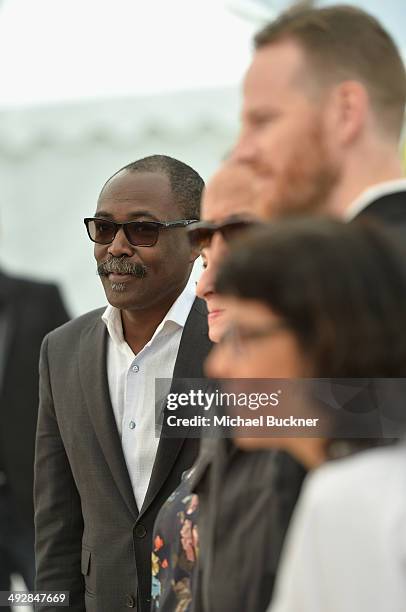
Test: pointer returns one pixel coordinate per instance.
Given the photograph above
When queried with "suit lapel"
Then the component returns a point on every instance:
(193, 349)
(94, 382)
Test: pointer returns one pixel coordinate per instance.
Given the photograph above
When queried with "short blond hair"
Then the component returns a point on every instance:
(345, 43)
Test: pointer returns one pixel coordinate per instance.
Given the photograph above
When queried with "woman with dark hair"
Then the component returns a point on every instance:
(316, 298)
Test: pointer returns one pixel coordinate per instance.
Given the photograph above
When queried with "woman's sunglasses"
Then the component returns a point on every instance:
(200, 234)
(138, 233)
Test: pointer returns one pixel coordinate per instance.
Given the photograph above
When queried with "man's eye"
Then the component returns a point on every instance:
(260, 121)
(139, 227)
(103, 227)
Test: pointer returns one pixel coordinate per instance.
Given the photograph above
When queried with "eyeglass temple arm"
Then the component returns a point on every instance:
(182, 223)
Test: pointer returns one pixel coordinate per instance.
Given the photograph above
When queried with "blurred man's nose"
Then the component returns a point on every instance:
(120, 245)
(244, 150)
(205, 284)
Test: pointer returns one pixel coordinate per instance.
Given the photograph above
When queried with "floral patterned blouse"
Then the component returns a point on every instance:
(175, 550)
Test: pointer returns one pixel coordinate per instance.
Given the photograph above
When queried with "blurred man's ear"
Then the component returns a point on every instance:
(351, 105)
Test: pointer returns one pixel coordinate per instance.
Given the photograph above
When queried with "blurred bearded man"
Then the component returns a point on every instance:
(323, 111)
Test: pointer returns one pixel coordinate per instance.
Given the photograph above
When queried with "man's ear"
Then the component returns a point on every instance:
(351, 105)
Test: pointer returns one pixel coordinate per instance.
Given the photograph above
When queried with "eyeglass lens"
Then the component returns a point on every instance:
(201, 237)
(138, 233)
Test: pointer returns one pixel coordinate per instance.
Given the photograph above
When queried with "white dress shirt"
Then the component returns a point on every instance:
(131, 381)
(346, 546)
(373, 193)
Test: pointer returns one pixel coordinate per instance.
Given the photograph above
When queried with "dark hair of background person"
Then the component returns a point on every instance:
(345, 43)
(186, 184)
(341, 288)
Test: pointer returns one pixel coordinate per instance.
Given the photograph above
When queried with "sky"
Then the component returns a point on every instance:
(62, 50)
(66, 49)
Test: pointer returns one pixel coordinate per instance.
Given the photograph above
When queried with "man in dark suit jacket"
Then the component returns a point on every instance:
(101, 475)
(28, 311)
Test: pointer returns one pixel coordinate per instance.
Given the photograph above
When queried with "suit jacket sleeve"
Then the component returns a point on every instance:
(58, 516)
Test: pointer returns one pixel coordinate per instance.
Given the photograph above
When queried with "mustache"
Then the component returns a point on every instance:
(119, 265)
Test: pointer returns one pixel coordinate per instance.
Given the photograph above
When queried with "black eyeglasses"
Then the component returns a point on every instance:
(201, 233)
(138, 233)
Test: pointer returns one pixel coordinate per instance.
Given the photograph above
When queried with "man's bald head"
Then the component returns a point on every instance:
(232, 191)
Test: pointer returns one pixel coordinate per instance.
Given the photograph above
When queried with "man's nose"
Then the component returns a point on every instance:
(120, 245)
(244, 150)
(205, 284)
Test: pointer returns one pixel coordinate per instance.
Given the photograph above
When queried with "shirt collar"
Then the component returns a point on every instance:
(176, 316)
(373, 193)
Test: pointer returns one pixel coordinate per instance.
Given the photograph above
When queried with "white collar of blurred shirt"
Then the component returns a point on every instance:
(371, 194)
(177, 315)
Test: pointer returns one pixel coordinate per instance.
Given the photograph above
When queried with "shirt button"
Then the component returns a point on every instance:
(135, 368)
(140, 531)
(129, 601)
(131, 425)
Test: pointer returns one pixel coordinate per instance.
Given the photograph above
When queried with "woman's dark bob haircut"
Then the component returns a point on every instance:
(340, 287)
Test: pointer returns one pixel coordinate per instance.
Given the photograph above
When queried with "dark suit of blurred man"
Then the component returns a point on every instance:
(28, 311)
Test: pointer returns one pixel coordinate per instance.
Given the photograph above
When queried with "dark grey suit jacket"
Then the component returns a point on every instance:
(91, 539)
(28, 311)
(245, 504)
